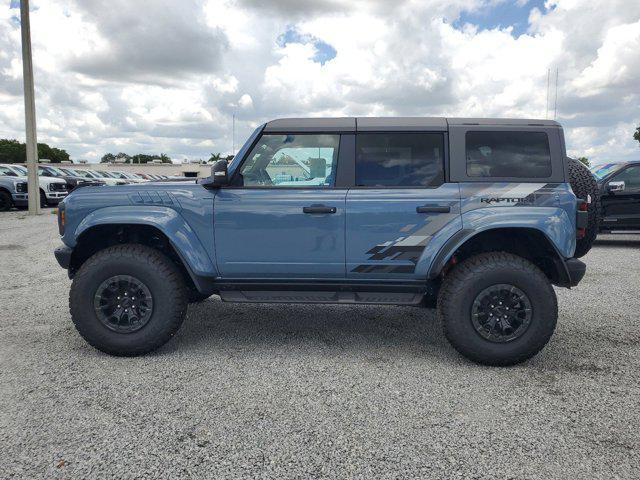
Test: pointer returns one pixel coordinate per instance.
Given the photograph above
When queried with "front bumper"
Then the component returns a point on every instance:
(20, 199)
(63, 256)
(55, 197)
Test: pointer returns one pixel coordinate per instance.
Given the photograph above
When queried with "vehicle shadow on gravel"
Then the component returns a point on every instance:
(213, 324)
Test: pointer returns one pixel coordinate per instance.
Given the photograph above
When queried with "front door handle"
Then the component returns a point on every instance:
(316, 209)
(433, 209)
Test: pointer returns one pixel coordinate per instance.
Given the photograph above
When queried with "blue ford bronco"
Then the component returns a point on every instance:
(475, 217)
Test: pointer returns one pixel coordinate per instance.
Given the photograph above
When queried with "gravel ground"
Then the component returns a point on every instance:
(258, 391)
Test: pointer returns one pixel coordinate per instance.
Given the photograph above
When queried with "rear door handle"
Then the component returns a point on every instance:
(433, 209)
(315, 209)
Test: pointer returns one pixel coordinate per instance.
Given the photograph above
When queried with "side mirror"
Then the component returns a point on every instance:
(615, 187)
(219, 175)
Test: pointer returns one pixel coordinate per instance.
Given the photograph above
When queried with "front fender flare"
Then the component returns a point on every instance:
(181, 236)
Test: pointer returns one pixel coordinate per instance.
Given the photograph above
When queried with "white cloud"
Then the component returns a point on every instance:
(167, 76)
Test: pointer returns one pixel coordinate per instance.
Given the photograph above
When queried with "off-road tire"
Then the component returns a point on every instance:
(465, 282)
(160, 275)
(585, 187)
(6, 202)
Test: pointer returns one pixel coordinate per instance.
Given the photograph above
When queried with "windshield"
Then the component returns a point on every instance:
(49, 172)
(243, 151)
(7, 172)
(20, 169)
(601, 171)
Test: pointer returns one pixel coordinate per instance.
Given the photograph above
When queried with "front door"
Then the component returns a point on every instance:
(621, 209)
(399, 202)
(284, 218)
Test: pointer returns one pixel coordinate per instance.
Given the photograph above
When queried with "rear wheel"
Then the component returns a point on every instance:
(585, 187)
(497, 309)
(6, 201)
(128, 300)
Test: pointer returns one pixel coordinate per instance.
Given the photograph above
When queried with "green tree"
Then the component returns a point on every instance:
(215, 157)
(13, 151)
(584, 160)
(636, 135)
(137, 158)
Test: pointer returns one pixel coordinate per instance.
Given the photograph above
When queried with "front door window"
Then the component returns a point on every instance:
(292, 161)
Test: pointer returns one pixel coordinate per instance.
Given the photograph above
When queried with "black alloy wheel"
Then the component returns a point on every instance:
(501, 313)
(123, 304)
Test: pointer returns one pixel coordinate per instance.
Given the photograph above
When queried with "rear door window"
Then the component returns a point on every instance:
(508, 154)
(399, 159)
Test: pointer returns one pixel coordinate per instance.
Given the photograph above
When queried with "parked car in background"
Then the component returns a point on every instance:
(122, 176)
(130, 177)
(148, 176)
(73, 181)
(52, 190)
(619, 189)
(95, 175)
(13, 190)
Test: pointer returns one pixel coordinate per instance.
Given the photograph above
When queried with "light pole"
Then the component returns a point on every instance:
(30, 111)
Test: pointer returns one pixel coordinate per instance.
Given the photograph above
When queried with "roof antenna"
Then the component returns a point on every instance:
(546, 115)
(555, 102)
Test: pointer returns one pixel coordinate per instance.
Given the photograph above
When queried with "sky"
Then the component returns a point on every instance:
(168, 75)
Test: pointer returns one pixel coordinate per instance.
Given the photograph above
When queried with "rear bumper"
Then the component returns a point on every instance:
(63, 256)
(575, 271)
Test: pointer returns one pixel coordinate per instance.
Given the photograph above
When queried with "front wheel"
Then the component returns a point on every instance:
(6, 202)
(128, 300)
(497, 309)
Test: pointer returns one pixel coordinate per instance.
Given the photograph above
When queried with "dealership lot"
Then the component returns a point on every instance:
(277, 391)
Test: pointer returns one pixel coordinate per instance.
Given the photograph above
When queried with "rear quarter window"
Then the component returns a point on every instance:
(508, 154)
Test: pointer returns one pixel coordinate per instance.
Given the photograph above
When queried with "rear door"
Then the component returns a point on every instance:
(284, 217)
(622, 208)
(398, 203)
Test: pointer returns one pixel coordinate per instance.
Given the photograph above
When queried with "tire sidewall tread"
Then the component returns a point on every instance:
(461, 286)
(150, 266)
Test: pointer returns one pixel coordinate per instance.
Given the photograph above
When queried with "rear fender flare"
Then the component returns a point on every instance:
(553, 223)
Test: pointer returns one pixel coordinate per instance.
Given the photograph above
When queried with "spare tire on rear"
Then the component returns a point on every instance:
(584, 186)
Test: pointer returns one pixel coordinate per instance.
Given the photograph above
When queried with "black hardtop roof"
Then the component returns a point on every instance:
(363, 124)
